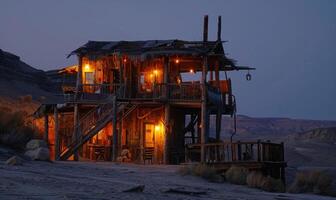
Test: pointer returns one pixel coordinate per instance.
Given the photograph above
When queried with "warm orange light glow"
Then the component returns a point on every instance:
(191, 71)
(87, 67)
(177, 61)
(125, 60)
(151, 75)
(157, 128)
(155, 72)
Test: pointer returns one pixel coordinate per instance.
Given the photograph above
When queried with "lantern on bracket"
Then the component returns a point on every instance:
(248, 76)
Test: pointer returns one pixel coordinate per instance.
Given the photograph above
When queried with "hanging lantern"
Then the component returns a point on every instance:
(248, 76)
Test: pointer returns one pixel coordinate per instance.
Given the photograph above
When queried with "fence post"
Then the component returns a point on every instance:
(239, 150)
(258, 151)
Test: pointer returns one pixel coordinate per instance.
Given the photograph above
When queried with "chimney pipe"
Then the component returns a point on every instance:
(205, 29)
(219, 29)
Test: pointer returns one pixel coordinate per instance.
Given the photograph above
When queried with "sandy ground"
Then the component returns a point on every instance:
(105, 180)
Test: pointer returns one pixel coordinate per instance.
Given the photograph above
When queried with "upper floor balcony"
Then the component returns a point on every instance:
(184, 92)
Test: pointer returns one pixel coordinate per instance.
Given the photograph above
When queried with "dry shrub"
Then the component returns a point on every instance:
(257, 180)
(236, 175)
(317, 182)
(201, 170)
(15, 130)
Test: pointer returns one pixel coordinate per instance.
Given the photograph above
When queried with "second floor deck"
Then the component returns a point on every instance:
(186, 92)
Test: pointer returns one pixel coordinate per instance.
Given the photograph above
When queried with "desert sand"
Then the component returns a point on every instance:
(106, 180)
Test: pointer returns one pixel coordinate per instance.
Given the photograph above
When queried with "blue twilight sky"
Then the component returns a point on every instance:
(292, 43)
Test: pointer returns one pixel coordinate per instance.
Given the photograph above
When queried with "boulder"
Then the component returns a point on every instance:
(41, 153)
(35, 144)
(14, 160)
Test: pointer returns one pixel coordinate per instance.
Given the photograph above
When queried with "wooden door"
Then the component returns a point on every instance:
(149, 135)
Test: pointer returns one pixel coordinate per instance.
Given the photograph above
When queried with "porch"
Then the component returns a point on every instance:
(266, 157)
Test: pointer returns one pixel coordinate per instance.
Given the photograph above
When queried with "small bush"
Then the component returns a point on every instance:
(201, 170)
(15, 130)
(316, 182)
(255, 179)
(236, 175)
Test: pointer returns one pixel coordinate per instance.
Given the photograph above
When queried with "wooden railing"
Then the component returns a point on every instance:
(186, 91)
(236, 152)
(103, 89)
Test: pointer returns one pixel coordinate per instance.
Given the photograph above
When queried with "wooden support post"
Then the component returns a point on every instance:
(120, 133)
(122, 79)
(76, 106)
(56, 129)
(217, 74)
(204, 113)
(167, 134)
(76, 131)
(166, 111)
(218, 124)
(219, 29)
(140, 125)
(205, 29)
(46, 128)
(114, 128)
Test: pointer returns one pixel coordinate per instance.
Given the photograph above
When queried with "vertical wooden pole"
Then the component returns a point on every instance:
(142, 138)
(120, 133)
(57, 148)
(76, 131)
(217, 74)
(204, 113)
(76, 106)
(46, 128)
(114, 128)
(219, 111)
(166, 111)
(218, 124)
(205, 29)
(219, 28)
(122, 82)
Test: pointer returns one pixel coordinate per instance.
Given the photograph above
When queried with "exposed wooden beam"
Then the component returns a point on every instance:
(205, 29)
(204, 108)
(56, 132)
(166, 111)
(46, 128)
(219, 28)
(114, 130)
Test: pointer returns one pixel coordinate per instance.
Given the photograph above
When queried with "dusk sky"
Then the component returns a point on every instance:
(291, 43)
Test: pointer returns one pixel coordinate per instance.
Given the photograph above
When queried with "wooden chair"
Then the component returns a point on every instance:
(99, 153)
(148, 154)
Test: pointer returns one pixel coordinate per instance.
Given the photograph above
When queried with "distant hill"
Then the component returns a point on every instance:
(254, 127)
(327, 135)
(19, 79)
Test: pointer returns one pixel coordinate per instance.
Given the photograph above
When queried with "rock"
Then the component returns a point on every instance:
(139, 188)
(41, 153)
(193, 192)
(14, 160)
(35, 144)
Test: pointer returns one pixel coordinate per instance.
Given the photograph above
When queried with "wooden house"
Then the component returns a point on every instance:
(150, 102)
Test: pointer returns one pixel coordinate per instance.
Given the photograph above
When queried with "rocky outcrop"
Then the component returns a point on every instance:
(37, 150)
(18, 78)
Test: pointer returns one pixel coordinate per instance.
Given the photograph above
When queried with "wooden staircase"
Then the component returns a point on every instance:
(95, 120)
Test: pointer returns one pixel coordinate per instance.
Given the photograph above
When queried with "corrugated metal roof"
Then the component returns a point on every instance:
(166, 47)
